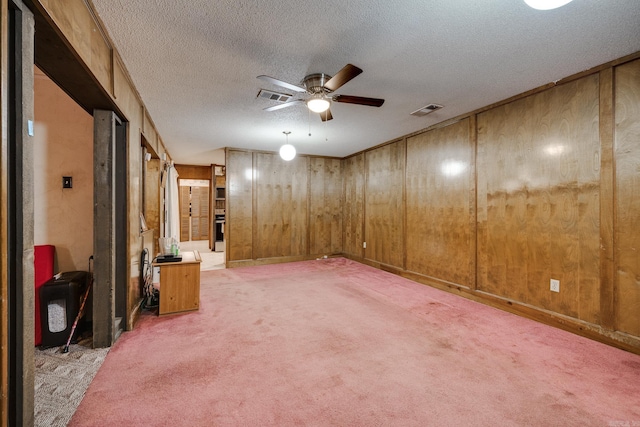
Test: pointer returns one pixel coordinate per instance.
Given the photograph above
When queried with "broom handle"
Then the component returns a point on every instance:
(81, 311)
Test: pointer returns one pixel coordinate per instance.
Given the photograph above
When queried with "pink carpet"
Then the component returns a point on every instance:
(336, 343)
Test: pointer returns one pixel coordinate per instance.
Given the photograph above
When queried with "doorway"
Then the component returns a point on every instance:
(194, 210)
(195, 218)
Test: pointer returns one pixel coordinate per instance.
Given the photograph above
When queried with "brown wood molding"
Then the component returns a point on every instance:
(4, 240)
(274, 260)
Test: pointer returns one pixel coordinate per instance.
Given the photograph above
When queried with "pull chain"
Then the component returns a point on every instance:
(326, 135)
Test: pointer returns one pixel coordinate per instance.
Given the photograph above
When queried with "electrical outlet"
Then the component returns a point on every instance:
(554, 285)
(364, 245)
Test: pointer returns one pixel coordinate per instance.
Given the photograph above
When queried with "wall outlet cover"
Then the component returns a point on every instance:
(554, 285)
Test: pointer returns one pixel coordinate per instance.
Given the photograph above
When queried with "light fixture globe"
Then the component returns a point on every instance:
(546, 4)
(318, 104)
(287, 152)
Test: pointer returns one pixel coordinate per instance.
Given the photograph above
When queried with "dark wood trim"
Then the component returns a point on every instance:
(60, 62)
(14, 297)
(276, 260)
(122, 229)
(105, 233)
(4, 247)
(18, 219)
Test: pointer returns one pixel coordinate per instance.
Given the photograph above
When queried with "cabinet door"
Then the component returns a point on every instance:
(199, 213)
(195, 213)
(185, 216)
(179, 287)
(204, 213)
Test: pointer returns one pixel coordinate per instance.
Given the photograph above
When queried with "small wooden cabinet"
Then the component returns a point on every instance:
(180, 284)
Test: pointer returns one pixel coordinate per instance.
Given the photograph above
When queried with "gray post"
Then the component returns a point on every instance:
(104, 216)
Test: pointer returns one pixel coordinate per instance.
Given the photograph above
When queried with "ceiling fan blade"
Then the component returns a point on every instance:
(371, 102)
(348, 72)
(284, 105)
(326, 115)
(281, 83)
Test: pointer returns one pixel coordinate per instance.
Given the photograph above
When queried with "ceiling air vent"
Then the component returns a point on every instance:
(274, 96)
(426, 110)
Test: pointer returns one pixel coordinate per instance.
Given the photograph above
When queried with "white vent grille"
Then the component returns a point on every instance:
(274, 96)
(426, 110)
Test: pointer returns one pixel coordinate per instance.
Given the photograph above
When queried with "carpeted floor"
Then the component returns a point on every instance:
(61, 380)
(334, 342)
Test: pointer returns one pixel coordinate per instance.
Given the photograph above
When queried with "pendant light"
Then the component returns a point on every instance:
(546, 4)
(287, 151)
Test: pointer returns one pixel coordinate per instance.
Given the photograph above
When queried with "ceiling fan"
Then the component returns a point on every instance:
(317, 90)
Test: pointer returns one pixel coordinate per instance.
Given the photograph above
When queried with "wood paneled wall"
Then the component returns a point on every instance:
(440, 204)
(353, 205)
(384, 204)
(239, 220)
(627, 200)
(282, 210)
(492, 205)
(498, 203)
(538, 199)
(325, 205)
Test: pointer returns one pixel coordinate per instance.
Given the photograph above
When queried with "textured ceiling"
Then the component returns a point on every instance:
(195, 62)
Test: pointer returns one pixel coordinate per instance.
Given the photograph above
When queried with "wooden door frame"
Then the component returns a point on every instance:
(110, 227)
(17, 217)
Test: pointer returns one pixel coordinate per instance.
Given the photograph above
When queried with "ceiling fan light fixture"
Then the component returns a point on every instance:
(546, 4)
(318, 104)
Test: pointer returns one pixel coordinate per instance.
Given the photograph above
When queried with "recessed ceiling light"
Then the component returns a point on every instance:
(546, 4)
